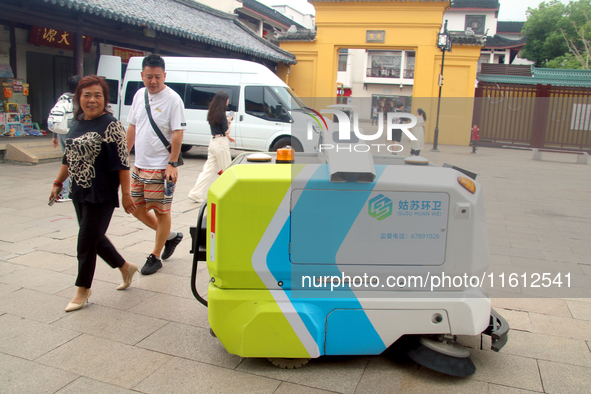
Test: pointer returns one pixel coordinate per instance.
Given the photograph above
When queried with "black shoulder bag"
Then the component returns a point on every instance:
(157, 129)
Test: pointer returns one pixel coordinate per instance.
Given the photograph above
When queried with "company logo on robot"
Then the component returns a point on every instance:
(380, 207)
(346, 125)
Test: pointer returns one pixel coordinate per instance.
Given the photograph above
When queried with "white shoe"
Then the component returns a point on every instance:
(64, 199)
(196, 199)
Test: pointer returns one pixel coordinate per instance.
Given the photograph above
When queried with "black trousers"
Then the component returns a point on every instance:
(94, 221)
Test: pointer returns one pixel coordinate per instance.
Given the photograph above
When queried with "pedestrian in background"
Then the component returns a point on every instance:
(374, 115)
(60, 121)
(218, 152)
(97, 161)
(154, 163)
(397, 133)
(419, 132)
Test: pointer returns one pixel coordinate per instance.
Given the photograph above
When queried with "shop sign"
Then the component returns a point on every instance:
(375, 36)
(125, 54)
(57, 38)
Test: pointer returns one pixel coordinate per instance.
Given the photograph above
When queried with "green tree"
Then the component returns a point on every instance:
(558, 34)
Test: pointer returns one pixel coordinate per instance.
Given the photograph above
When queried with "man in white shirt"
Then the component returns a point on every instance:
(155, 172)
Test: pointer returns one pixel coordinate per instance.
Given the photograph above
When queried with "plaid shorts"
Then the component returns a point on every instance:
(147, 187)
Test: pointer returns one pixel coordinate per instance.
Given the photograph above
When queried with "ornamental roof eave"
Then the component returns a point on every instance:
(299, 35)
(543, 76)
(491, 5)
(463, 38)
(361, 1)
(270, 13)
(186, 19)
(508, 27)
(498, 42)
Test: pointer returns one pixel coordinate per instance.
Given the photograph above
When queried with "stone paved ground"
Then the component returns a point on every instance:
(153, 337)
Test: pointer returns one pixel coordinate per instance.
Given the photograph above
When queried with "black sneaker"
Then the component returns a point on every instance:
(170, 245)
(152, 265)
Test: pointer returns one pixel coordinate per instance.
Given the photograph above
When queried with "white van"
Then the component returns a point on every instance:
(265, 107)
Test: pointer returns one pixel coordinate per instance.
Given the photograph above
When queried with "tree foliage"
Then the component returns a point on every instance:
(558, 35)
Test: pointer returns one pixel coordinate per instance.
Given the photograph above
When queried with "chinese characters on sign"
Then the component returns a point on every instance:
(422, 205)
(57, 38)
(125, 54)
(375, 36)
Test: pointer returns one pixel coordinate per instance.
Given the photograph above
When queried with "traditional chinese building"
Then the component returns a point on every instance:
(45, 41)
(389, 50)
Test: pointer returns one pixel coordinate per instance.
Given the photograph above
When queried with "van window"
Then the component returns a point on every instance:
(134, 86)
(199, 96)
(113, 90)
(261, 102)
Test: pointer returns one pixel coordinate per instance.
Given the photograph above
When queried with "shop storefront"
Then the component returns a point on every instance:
(43, 44)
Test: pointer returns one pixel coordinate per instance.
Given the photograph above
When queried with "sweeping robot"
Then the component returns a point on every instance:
(346, 253)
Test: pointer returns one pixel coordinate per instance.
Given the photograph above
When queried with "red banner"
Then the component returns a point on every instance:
(57, 38)
(125, 54)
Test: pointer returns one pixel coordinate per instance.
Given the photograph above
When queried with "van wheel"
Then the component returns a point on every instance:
(284, 142)
(186, 148)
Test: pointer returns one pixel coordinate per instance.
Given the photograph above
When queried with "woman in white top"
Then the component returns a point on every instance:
(419, 132)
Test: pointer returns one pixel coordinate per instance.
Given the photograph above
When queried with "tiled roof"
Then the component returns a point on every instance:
(480, 4)
(544, 76)
(299, 35)
(499, 42)
(270, 13)
(509, 27)
(461, 38)
(184, 18)
(353, 1)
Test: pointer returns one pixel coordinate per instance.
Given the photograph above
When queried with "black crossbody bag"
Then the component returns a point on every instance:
(157, 129)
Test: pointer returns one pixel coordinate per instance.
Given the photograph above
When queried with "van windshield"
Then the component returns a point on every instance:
(289, 98)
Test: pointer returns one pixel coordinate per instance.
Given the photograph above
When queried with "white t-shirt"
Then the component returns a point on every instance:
(168, 112)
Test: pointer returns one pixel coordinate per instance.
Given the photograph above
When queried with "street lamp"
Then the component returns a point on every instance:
(443, 43)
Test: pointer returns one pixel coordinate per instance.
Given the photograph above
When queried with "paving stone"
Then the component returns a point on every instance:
(18, 232)
(567, 257)
(106, 294)
(340, 374)
(7, 289)
(561, 326)
(18, 376)
(7, 268)
(180, 310)
(586, 269)
(498, 389)
(564, 378)
(45, 260)
(541, 266)
(167, 284)
(187, 376)
(194, 343)
(66, 246)
(517, 252)
(25, 245)
(29, 339)
(290, 388)
(86, 385)
(38, 279)
(550, 348)
(580, 310)
(385, 376)
(505, 369)
(30, 304)
(550, 306)
(106, 361)
(111, 324)
(517, 320)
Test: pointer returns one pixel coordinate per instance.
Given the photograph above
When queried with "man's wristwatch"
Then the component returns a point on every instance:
(174, 163)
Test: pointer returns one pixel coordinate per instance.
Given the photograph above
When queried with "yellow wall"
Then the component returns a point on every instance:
(409, 25)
